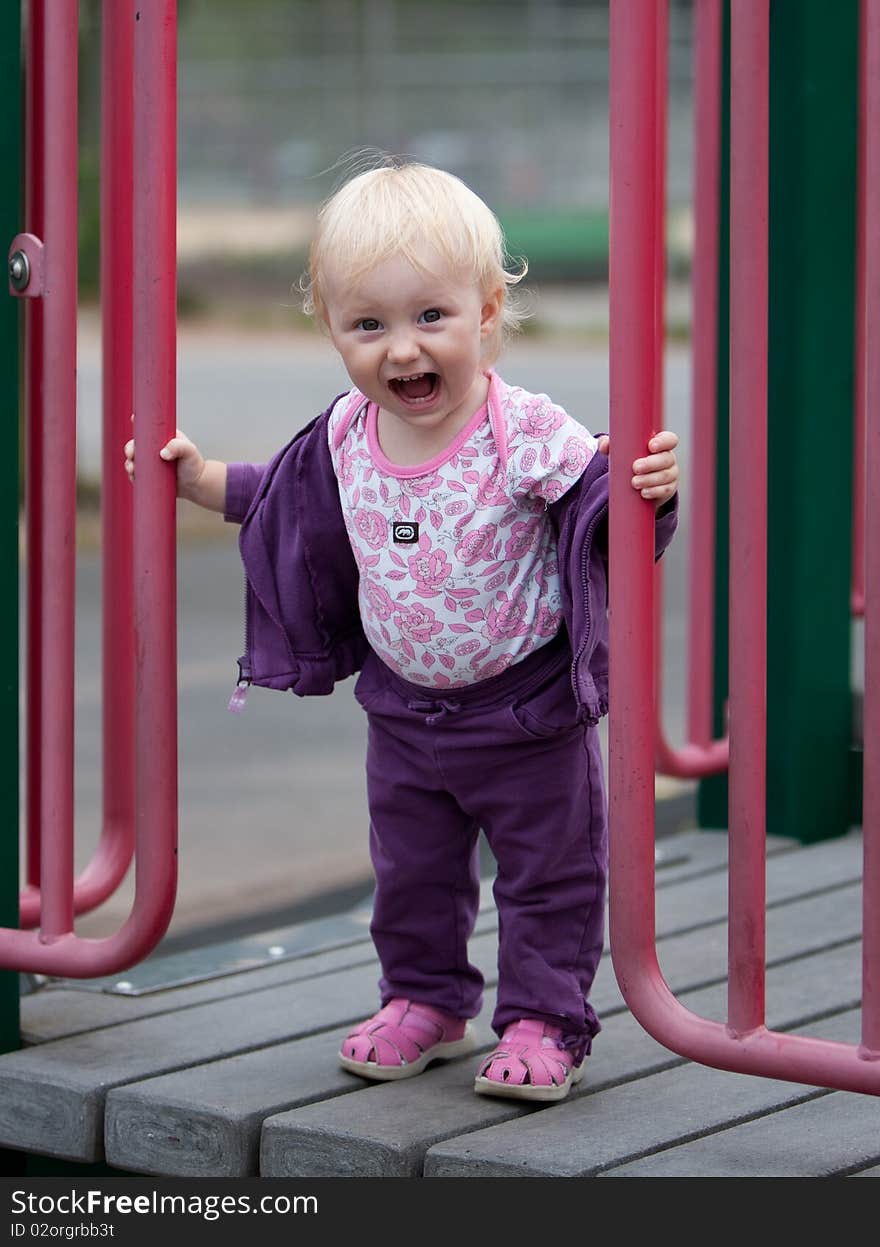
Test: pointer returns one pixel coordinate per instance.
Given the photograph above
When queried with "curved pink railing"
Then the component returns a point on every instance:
(701, 754)
(743, 1043)
(116, 846)
(139, 563)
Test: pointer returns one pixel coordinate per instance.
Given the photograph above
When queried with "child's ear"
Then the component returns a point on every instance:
(490, 312)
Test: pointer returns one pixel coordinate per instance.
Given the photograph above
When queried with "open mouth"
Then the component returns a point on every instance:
(417, 390)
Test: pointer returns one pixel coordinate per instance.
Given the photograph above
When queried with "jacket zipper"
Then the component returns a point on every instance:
(240, 692)
(245, 676)
(585, 551)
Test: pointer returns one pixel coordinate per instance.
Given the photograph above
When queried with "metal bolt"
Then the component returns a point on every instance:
(19, 270)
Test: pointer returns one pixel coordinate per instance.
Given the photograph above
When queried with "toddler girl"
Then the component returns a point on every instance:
(444, 533)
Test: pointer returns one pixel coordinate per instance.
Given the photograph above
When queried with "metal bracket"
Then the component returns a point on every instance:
(26, 266)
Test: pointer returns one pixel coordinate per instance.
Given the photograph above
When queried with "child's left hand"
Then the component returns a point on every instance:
(655, 476)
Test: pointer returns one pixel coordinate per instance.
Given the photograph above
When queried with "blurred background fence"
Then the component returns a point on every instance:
(511, 95)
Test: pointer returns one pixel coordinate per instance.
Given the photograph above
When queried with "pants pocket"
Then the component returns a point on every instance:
(550, 708)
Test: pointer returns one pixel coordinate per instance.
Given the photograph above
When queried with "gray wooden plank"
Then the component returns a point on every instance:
(36, 1084)
(387, 1131)
(820, 1139)
(825, 1137)
(206, 1122)
(581, 1137)
(695, 902)
(58, 1012)
(695, 959)
(694, 852)
(585, 1136)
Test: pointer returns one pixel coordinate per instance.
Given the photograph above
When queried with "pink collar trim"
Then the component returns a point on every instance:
(496, 422)
(430, 465)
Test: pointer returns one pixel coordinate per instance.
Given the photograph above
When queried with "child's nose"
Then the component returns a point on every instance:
(402, 347)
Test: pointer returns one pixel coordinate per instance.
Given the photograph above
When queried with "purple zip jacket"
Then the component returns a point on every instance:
(303, 629)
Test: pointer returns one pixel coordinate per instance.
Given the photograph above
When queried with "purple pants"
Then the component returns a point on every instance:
(511, 756)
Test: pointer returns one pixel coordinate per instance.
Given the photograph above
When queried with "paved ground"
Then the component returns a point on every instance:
(272, 805)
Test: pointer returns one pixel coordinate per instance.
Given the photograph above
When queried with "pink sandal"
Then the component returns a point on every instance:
(530, 1063)
(401, 1039)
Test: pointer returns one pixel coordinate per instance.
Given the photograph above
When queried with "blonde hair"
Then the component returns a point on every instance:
(394, 210)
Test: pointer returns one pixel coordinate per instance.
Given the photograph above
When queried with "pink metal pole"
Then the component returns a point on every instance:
(155, 377)
(154, 550)
(58, 468)
(871, 761)
(35, 223)
(700, 755)
(117, 303)
(859, 399)
(114, 852)
(661, 76)
(740, 1045)
(633, 365)
(749, 192)
(704, 338)
(661, 85)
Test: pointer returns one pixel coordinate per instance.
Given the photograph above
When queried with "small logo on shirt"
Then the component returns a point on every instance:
(404, 531)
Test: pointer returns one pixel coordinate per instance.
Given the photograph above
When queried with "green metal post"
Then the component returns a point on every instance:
(813, 142)
(813, 102)
(10, 225)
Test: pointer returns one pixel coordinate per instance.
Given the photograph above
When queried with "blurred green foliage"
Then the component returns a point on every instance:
(560, 245)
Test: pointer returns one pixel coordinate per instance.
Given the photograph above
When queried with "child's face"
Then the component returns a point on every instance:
(412, 341)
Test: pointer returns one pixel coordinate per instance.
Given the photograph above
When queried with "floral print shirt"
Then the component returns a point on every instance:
(457, 558)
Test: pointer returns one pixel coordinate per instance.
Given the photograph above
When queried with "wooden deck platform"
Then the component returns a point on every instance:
(233, 1073)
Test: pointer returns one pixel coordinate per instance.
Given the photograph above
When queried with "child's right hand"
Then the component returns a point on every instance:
(199, 480)
(190, 463)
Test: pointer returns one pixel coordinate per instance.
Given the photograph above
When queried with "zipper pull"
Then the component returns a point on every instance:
(238, 698)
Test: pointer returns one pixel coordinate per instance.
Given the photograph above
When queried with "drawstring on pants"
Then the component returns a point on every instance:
(436, 709)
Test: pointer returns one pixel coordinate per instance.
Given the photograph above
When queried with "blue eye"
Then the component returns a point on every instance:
(369, 323)
(432, 315)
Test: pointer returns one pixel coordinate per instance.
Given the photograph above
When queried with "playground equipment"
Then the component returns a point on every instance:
(139, 286)
(743, 1043)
